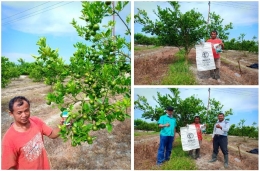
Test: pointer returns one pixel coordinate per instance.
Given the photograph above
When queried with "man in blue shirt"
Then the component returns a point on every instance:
(167, 123)
(219, 138)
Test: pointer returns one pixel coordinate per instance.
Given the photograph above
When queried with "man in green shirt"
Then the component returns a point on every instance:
(167, 123)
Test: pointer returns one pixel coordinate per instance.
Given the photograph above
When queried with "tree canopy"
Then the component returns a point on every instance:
(182, 30)
(184, 109)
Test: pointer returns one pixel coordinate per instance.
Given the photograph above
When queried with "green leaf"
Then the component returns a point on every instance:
(128, 18)
(109, 127)
(127, 116)
(86, 107)
(108, 32)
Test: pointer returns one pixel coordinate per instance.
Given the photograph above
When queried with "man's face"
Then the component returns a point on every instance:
(213, 35)
(197, 120)
(169, 112)
(21, 113)
(220, 118)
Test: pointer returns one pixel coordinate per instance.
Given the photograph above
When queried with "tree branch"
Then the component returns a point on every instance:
(123, 21)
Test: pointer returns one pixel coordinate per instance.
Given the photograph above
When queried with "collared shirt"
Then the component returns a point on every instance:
(224, 131)
(167, 131)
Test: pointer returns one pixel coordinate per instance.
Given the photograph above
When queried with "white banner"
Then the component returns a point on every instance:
(189, 138)
(204, 57)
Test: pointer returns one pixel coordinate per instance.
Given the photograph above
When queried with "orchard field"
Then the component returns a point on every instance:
(174, 34)
(93, 89)
(146, 146)
(108, 151)
(152, 65)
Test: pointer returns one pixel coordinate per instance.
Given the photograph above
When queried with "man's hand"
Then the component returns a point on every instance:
(222, 45)
(167, 125)
(212, 140)
(218, 126)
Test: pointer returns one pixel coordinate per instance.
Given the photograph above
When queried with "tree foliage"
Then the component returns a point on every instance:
(182, 30)
(241, 130)
(48, 65)
(143, 125)
(184, 109)
(24, 67)
(241, 44)
(141, 39)
(9, 70)
(96, 73)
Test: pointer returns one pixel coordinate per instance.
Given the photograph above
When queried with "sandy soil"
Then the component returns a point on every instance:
(146, 148)
(108, 151)
(150, 66)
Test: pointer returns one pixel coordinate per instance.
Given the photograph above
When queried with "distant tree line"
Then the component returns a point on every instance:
(141, 39)
(242, 45)
(233, 44)
(244, 131)
(140, 124)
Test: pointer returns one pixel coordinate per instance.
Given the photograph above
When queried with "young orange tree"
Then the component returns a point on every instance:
(96, 74)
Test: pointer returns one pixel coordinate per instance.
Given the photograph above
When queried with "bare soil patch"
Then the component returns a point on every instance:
(230, 73)
(146, 147)
(150, 67)
(108, 151)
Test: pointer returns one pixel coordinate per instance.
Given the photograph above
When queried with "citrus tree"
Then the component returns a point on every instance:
(96, 90)
(9, 70)
(182, 30)
(184, 109)
(48, 66)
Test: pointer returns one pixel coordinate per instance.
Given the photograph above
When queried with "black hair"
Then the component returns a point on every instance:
(196, 117)
(20, 100)
(214, 31)
(221, 114)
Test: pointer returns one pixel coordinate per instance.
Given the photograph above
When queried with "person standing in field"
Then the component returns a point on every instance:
(167, 123)
(219, 138)
(22, 146)
(199, 134)
(215, 73)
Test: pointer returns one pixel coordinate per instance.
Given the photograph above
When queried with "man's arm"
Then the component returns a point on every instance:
(9, 157)
(222, 44)
(55, 133)
(164, 125)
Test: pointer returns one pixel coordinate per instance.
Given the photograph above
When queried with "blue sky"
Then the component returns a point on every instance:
(243, 15)
(23, 23)
(243, 101)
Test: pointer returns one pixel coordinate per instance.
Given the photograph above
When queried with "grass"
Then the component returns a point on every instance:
(145, 133)
(180, 159)
(139, 48)
(179, 72)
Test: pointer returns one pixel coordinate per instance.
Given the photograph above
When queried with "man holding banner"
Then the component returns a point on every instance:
(199, 134)
(215, 42)
(167, 123)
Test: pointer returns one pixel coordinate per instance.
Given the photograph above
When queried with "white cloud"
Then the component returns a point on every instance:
(53, 22)
(242, 13)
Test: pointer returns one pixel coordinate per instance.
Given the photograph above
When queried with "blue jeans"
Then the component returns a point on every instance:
(165, 148)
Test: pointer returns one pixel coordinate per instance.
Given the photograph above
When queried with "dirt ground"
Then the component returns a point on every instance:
(145, 152)
(150, 66)
(109, 151)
